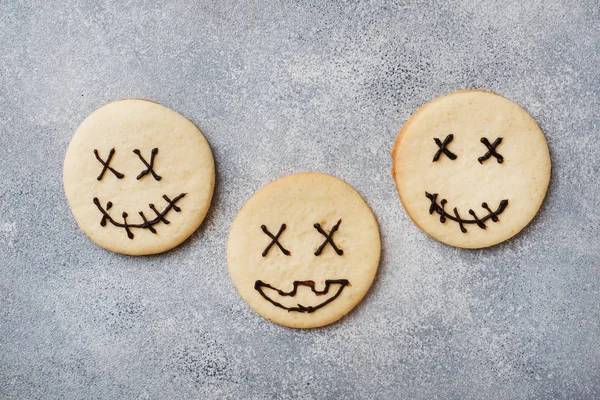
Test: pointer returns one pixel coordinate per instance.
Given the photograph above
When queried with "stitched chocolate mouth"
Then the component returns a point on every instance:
(147, 224)
(260, 286)
(439, 208)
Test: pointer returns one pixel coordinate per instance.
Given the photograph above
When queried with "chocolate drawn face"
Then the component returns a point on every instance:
(145, 224)
(471, 168)
(277, 296)
(440, 208)
(139, 177)
(304, 250)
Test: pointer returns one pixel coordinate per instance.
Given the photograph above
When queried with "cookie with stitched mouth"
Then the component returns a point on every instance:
(304, 250)
(472, 168)
(138, 177)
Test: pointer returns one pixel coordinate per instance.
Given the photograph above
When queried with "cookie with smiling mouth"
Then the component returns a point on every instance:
(481, 151)
(304, 250)
(138, 177)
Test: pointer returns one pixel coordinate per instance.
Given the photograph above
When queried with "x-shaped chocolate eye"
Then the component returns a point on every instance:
(491, 150)
(149, 167)
(106, 164)
(275, 240)
(328, 238)
(443, 149)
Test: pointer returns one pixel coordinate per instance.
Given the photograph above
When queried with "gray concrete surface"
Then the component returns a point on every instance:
(280, 87)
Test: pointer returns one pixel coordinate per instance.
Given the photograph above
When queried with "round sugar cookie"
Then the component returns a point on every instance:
(304, 250)
(472, 168)
(138, 177)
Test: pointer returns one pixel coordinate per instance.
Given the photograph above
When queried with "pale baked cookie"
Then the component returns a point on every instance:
(472, 168)
(138, 177)
(304, 250)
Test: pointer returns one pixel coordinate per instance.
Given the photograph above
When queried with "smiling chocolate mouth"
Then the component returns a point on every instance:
(147, 224)
(439, 208)
(260, 286)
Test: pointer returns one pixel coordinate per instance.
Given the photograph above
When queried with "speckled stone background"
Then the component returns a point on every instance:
(280, 87)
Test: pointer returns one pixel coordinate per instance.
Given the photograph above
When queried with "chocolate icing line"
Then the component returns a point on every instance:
(147, 224)
(480, 222)
(328, 239)
(149, 167)
(259, 285)
(443, 149)
(275, 240)
(106, 164)
(491, 150)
